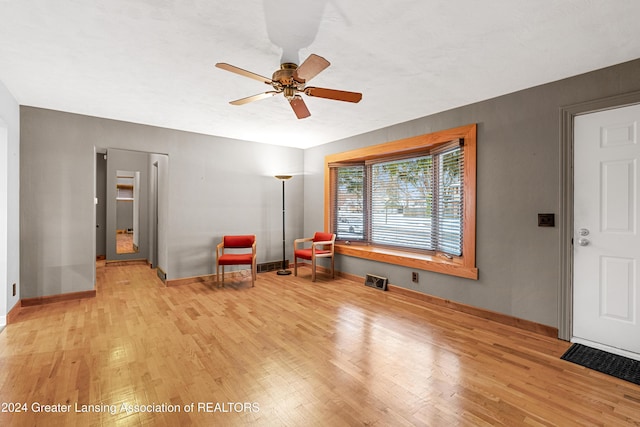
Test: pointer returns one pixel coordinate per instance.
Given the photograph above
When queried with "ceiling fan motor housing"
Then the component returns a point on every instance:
(284, 80)
(284, 75)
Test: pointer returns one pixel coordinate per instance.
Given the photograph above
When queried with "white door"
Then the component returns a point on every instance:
(606, 293)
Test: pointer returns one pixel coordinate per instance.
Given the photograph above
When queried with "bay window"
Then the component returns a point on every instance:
(409, 202)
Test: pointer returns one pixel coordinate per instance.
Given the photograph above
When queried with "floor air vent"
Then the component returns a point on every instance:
(270, 266)
(377, 282)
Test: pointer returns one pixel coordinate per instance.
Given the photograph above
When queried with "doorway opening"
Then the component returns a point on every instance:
(131, 204)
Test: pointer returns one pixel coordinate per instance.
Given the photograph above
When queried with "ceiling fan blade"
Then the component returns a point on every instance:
(234, 69)
(310, 68)
(257, 97)
(299, 107)
(338, 95)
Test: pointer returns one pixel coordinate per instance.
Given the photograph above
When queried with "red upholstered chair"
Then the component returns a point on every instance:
(235, 255)
(322, 245)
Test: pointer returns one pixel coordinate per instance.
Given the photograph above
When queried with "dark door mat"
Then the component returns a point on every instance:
(607, 363)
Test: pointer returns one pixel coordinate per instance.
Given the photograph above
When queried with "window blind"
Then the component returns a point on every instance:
(448, 216)
(412, 202)
(401, 198)
(349, 202)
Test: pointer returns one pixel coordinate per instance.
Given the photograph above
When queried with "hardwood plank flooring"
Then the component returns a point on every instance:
(124, 243)
(288, 352)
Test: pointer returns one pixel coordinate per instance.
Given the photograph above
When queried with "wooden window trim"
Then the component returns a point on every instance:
(464, 266)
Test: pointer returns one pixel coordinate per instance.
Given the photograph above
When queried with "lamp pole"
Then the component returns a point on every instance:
(283, 270)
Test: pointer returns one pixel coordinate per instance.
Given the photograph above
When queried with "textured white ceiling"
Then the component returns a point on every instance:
(152, 61)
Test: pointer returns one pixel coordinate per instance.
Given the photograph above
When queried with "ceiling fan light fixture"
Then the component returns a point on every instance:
(289, 92)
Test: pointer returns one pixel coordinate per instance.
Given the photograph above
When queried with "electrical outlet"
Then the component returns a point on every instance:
(14, 289)
(414, 277)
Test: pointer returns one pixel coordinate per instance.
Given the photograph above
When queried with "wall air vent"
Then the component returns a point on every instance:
(377, 282)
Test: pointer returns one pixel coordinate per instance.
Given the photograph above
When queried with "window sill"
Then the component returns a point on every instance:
(426, 262)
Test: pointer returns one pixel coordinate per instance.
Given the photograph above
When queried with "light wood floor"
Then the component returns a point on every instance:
(124, 243)
(289, 352)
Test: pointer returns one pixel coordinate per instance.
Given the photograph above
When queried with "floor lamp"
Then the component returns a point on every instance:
(283, 271)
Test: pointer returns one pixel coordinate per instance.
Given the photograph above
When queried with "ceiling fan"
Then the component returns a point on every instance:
(291, 80)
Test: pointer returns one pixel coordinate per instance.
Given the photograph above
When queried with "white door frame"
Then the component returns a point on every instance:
(567, 114)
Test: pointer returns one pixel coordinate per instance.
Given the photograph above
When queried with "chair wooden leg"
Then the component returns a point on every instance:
(222, 283)
(313, 269)
(333, 270)
(254, 273)
(295, 266)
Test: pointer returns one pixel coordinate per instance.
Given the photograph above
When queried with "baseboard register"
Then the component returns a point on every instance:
(270, 266)
(376, 282)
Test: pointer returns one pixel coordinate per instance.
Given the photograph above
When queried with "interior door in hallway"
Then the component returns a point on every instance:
(606, 294)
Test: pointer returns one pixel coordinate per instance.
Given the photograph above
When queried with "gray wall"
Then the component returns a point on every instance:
(9, 202)
(216, 186)
(518, 176)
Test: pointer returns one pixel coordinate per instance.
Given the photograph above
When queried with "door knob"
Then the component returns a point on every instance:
(583, 242)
